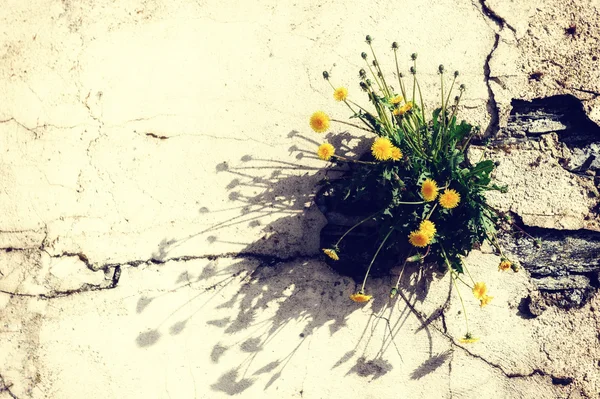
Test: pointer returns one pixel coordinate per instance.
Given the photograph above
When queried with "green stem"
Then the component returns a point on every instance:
(375, 77)
(351, 124)
(355, 160)
(422, 104)
(456, 286)
(402, 271)
(414, 80)
(351, 109)
(373, 260)
(432, 209)
(387, 90)
(398, 73)
(468, 272)
(356, 225)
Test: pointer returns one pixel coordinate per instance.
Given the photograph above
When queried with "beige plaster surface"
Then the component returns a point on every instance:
(158, 236)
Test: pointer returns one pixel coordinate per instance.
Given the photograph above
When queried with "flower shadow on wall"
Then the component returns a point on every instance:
(265, 299)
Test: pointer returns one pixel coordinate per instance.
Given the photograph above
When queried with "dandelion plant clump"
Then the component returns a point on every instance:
(427, 197)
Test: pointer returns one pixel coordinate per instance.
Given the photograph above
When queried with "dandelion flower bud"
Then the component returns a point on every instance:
(462, 87)
(396, 100)
(395, 46)
(363, 55)
(325, 75)
(396, 154)
(413, 56)
(428, 227)
(480, 290)
(456, 74)
(485, 300)
(504, 265)
(360, 297)
(364, 86)
(429, 190)
(441, 68)
(374, 63)
(419, 238)
(340, 94)
(362, 74)
(413, 70)
(369, 83)
(369, 39)
(319, 121)
(449, 199)
(468, 339)
(331, 253)
(325, 152)
(382, 149)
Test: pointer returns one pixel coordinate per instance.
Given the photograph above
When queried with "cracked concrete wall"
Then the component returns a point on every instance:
(159, 236)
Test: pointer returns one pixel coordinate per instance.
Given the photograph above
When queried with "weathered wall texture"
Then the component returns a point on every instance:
(159, 238)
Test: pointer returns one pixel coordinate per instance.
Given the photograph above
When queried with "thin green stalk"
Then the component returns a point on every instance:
(402, 271)
(351, 109)
(374, 77)
(432, 209)
(468, 272)
(351, 124)
(422, 104)
(362, 288)
(443, 113)
(355, 160)
(356, 225)
(462, 303)
(450, 91)
(387, 90)
(414, 80)
(398, 73)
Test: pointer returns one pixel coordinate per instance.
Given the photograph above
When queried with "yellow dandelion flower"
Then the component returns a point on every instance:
(331, 253)
(485, 300)
(405, 108)
(397, 100)
(360, 297)
(382, 149)
(429, 190)
(468, 339)
(449, 199)
(396, 154)
(319, 121)
(505, 265)
(340, 94)
(396, 111)
(419, 238)
(325, 151)
(428, 227)
(480, 290)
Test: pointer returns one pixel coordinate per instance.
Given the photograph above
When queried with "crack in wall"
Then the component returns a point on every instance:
(556, 380)
(115, 268)
(492, 15)
(492, 105)
(5, 387)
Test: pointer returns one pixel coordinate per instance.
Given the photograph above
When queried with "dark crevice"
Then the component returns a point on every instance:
(497, 19)
(115, 269)
(561, 380)
(5, 387)
(561, 114)
(563, 264)
(492, 105)
(542, 373)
